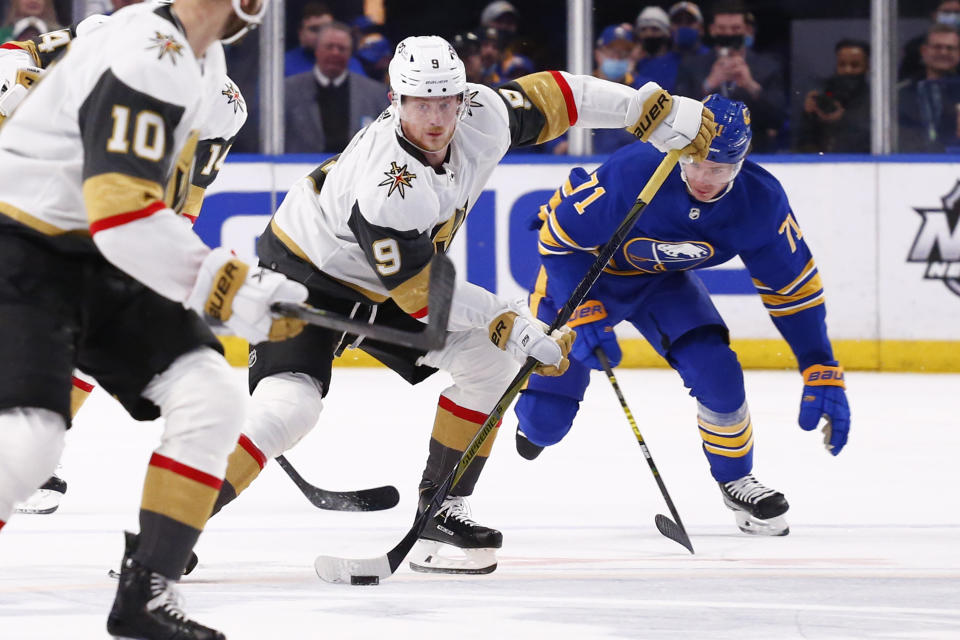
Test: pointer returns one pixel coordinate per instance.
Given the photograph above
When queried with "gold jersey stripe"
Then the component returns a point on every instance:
(242, 469)
(545, 94)
(35, 223)
(777, 313)
(539, 291)
(728, 440)
(112, 194)
(456, 433)
(178, 497)
(194, 201)
(814, 286)
(411, 294)
(786, 290)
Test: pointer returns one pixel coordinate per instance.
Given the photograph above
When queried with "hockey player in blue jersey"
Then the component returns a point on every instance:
(704, 214)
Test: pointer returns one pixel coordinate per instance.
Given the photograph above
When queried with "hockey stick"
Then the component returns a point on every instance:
(434, 335)
(362, 571)
(373, 499)
(672, 529)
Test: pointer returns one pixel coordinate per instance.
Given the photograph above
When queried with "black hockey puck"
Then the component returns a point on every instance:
(364, 580)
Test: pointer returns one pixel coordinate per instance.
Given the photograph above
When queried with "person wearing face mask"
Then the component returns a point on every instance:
(612, 56)
(734, 71)
(686, 28)
(946, 12)
(836, 116)
(657, 62)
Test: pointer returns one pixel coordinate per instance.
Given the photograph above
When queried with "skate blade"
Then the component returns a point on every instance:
(756, 527)
(43, 501)
(429, 556)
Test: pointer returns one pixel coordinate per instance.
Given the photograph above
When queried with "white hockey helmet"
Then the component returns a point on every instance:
(426, 67)
(252, 20)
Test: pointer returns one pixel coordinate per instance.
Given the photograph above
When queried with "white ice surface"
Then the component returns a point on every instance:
(872, 553)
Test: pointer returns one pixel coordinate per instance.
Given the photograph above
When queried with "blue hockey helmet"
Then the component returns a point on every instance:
(733, 137)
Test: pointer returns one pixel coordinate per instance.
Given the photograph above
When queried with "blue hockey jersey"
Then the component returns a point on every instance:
(677, 232)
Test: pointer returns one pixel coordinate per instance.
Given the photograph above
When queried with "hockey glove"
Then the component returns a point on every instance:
(230, 292)
(824, 397)
(671, 122)
(593, 330)
(523, 337)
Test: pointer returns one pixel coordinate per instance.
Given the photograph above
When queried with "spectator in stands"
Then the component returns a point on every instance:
(836, 116)
(732, 70)
(947, 12)
(491, 56)
(929, 109)
(467, 45)
(373, 54)
(515, 66)
(327, 105)
(612, 57)
(302, 58)
(686, 26)
(37, 16)
(657, 62)
(502, 16)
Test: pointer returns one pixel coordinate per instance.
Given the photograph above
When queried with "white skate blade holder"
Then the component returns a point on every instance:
(756, 527)
(42, 501)
(429, 556)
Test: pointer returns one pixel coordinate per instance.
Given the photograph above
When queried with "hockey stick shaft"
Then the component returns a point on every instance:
(333, 569)
(684, 539)
(373, 499)
(433, 336)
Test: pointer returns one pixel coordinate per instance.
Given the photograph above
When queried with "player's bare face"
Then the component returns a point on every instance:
(707, 179)
(429, 123)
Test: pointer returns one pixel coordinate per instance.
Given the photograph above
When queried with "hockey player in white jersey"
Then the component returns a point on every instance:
(99, 272)
(360, 231)
(21, 65)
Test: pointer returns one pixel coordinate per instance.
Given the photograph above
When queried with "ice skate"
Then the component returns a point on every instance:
(758, 509)
(525, 448)
(130, 542)
(46, 499)
(453, 543)
(148, 607)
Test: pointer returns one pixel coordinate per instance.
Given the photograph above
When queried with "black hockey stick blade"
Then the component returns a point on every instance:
(433, 336)
(672, 530)
(374, 499)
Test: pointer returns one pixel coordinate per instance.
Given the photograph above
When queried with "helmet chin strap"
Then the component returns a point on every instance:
(253, 20)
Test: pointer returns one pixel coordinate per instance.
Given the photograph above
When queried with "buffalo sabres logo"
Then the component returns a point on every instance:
(397, 178)
(233, 96)
(165, 44)
(938, 241)
(656, 256)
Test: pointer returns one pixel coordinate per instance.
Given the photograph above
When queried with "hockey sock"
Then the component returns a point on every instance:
(453, 429)
(78, 395)
(177, 501)
(727, 442)
(243, 466)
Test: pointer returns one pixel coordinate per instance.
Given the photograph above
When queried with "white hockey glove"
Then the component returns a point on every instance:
(671, 122)
(15, 89)
(523, 336)
(231, 292)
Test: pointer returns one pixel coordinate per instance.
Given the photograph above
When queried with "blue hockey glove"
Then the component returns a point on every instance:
(824, 397)
(593, 330)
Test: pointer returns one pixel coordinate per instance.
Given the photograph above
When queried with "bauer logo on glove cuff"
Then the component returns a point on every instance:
(655, 110)
(228, 280)
(823, 376)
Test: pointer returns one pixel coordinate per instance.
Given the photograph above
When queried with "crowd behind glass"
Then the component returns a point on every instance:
(801, 66)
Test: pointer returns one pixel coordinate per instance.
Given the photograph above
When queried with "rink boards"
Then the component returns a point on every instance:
(884, 235)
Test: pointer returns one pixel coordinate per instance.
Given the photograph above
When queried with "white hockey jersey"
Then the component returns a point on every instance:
(104, 145)
(372, 217)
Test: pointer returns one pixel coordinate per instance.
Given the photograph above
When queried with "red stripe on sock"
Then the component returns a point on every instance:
(420, 314)
(124, 218)
(163, 462)
(80, 384)
(476, 417)
(567, 97)
(251, 448)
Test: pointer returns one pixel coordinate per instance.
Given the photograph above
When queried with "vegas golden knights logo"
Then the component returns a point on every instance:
(938, 241)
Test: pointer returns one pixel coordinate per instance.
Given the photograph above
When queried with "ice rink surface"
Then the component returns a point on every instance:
(874, 548)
